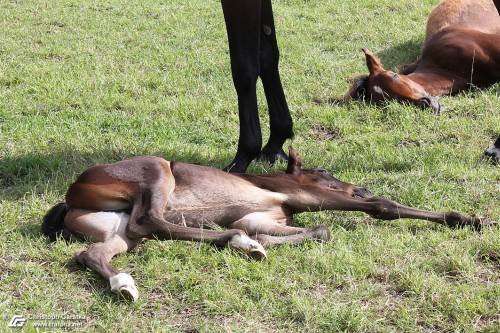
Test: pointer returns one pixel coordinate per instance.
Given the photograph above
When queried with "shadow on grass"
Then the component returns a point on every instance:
(40, 172)
(401, 54)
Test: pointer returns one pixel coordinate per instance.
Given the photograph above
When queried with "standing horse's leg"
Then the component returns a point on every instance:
(281, 125)
(243, 24)
(493, 152)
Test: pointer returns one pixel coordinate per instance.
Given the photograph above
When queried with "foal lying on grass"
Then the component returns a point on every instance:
(118, 205)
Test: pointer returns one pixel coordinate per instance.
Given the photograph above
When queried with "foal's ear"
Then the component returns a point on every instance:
(294, 162)
(372, 62)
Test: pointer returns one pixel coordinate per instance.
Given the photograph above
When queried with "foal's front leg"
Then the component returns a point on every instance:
(384, 209)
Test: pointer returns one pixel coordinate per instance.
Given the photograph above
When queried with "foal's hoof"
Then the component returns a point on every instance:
(321, 233)
(479, 223)
(249, 246)
(258, 253)
(123, 285)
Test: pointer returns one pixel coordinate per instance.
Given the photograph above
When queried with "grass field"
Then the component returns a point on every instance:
(86, 82)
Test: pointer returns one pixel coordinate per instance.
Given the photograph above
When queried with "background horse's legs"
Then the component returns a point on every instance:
(254, 52)
(243, 24)
(281, 124)
(493, 152)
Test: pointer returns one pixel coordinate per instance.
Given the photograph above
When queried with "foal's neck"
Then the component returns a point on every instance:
(438, 82)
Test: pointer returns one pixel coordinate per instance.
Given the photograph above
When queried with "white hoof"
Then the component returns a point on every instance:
(249, 246)
(123, 284)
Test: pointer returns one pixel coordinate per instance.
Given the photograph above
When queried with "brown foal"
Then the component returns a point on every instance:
(118, 205)
(462, 48)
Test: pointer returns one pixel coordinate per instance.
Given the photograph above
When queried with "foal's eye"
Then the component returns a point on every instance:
(395, 76)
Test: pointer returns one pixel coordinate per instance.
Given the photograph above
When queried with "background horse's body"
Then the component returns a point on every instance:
(462, 48)
(118, 205)
(479, 15)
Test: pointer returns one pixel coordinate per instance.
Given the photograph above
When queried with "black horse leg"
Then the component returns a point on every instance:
(281, 125)
(493, 152)
(243, 24)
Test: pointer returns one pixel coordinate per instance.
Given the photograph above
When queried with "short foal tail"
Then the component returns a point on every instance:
(53, 222)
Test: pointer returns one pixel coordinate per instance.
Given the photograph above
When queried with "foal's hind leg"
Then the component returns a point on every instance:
(109, 229)
(268, 232)
(319, 233)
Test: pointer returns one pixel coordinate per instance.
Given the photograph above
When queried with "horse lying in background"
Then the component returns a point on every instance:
(118, 205)
(461, 49)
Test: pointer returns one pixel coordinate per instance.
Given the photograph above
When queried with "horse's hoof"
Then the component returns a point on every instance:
(485, 222)
(258, 253)
(79, 256)
(321, 233)
(129, 293)
(123, 285)
(249, 246)
(493, 153)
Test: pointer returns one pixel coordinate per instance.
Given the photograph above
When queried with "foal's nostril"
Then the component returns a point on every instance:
(425, 101)
(430, 102)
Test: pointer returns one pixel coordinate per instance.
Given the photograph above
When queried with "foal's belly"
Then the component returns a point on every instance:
(196, 208)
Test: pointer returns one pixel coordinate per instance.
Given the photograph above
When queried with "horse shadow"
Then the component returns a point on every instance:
(401, 54)
(38, 173)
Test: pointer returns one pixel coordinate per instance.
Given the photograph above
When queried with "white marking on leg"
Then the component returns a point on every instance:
(124, 284)
(248, 246)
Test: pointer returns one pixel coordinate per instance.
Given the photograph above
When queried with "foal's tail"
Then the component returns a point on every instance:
(53, 222)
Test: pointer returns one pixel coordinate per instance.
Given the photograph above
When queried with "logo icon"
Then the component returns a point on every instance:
(17, 321)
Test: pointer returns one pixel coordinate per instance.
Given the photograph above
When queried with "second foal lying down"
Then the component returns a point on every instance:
(118, 205)
(462, 48)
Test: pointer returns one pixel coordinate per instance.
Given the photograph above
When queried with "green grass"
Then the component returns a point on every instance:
(84, 82)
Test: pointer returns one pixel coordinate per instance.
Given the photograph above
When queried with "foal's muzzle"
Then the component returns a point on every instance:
(430, 102)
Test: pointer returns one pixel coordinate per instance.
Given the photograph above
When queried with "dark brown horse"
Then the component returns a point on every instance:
(118, 205)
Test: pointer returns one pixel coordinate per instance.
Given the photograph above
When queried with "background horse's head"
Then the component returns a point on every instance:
(383, 85)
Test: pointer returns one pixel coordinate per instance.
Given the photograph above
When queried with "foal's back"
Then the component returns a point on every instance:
(478, 15)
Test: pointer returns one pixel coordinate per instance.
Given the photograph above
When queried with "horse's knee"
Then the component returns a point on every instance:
(245, 82)
(269, 58)
(383, 209)
(91, 257)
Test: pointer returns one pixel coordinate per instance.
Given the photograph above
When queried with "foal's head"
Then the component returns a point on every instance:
(321, 179)
(383, 85)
